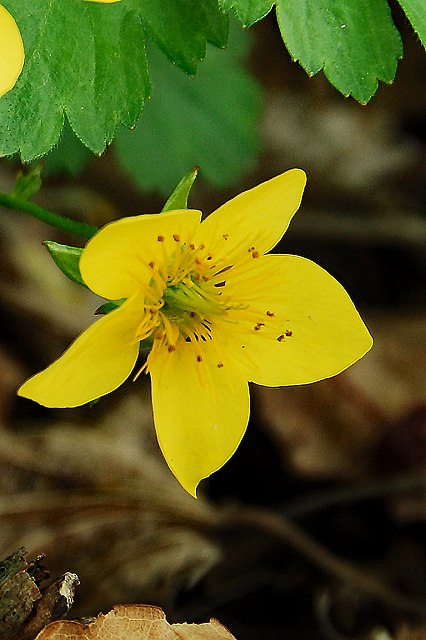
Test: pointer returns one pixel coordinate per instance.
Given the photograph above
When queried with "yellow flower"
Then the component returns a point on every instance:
(11, 51)
(218, 312)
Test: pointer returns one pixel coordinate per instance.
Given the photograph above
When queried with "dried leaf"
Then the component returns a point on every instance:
(134, 622)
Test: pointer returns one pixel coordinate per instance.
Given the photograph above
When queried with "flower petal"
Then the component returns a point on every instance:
(256, 218)
(200, 412)
(11, 51)
(305, 327)
(114, 262)
(96, 363)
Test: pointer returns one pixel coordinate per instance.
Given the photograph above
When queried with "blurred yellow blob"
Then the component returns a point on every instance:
(104, 1)
(11, 51)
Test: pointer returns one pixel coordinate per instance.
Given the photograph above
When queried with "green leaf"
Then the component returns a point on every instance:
(210, 120)
(355, 42)
(109, 306)
(70, 156)
(67, 259)
(86, 61)
(415, 11)
(181, 28)
(27, 184)
(247, 11)
(179, 197)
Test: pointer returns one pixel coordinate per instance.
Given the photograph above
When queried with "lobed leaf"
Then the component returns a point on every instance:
(247, 11)
(355, 43)
(86, 61)
(415, 11)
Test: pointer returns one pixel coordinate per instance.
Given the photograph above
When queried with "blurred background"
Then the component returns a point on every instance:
(329, 484)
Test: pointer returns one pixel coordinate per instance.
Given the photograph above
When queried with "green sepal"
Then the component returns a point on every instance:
(179, 197)
(66, 259)
(27, 184)
(109, 306)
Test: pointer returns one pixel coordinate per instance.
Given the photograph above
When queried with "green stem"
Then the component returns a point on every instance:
(53, 219)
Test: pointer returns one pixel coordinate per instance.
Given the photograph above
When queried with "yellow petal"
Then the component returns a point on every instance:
(256, 218)
(315, 331)
(96, 363)
(200, 412)
(114, 262)
(11, 51)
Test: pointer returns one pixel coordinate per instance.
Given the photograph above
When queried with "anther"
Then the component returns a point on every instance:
(171, 348)
(288, 333)
(176, 237)
(225, 236)
(160, 238)
(192, 314)
(220, 365)
(209, 257)
(258, 326)
(199, 359)
(270, 314)
(151, 264)
(192, 247)
(201, 247)
(280, 338)
(255, 254)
